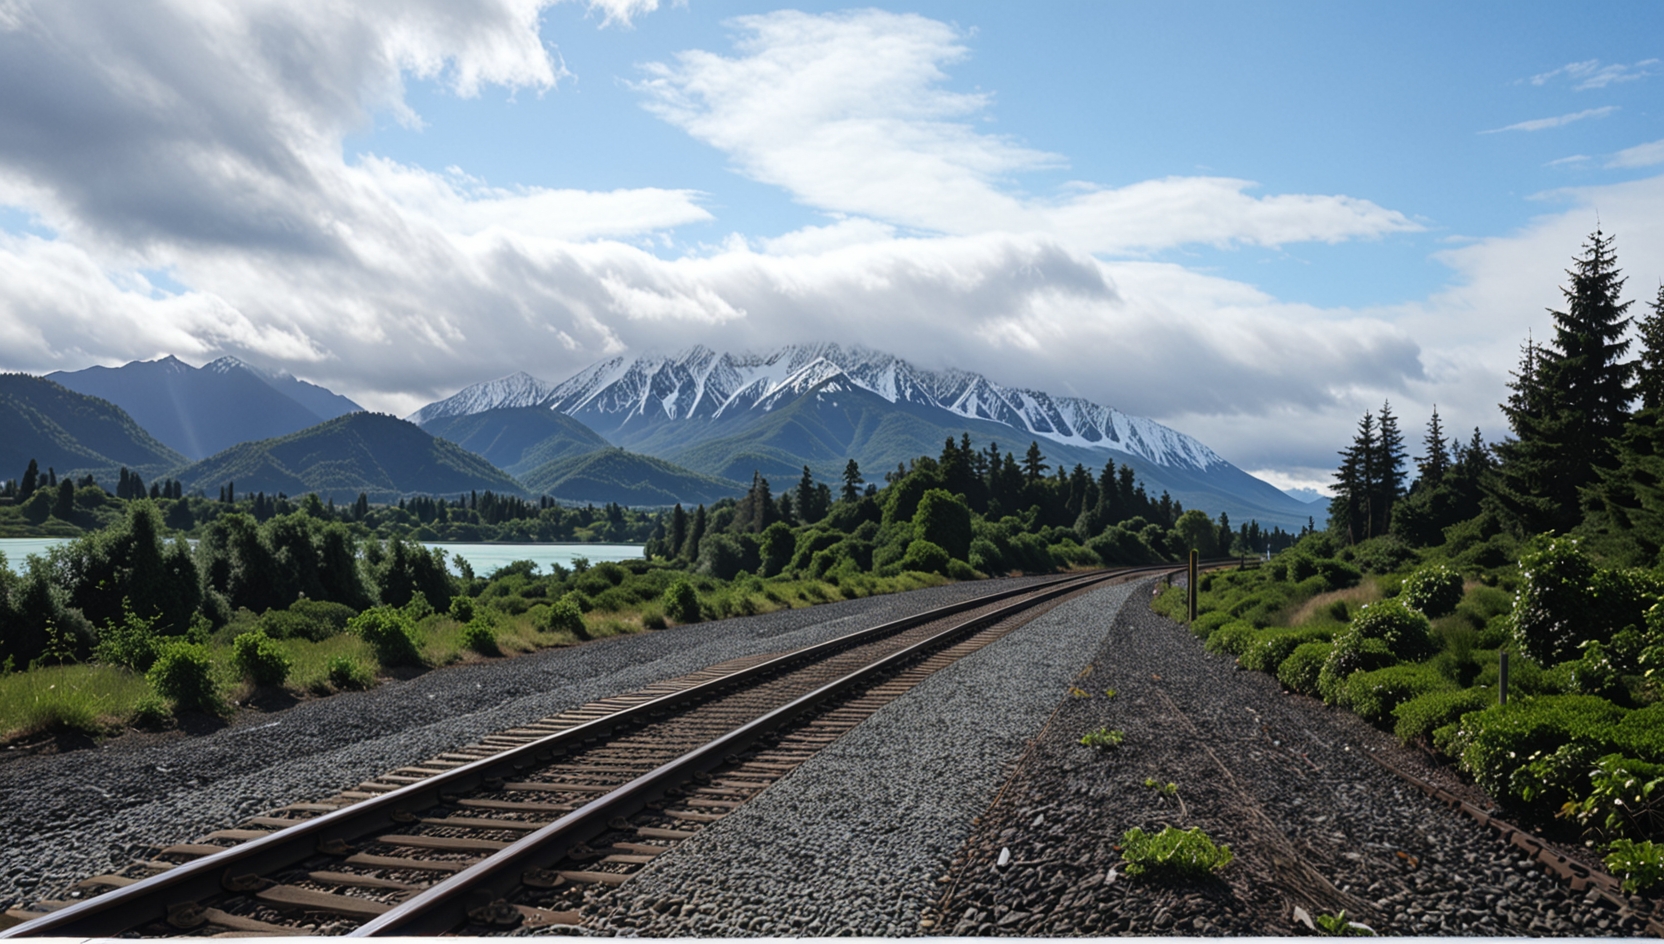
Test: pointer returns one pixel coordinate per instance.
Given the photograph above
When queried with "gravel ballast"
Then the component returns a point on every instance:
(854, 840)
(65, 816)
(1287, 783)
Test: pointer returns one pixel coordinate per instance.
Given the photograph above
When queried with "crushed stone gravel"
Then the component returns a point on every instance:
(68, 815)
(855, 839)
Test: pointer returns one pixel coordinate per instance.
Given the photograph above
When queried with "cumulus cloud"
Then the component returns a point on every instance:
(1543, 124)
(848, 113)
(203, 139)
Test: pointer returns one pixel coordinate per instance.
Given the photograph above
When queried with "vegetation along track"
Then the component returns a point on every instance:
(512, 830)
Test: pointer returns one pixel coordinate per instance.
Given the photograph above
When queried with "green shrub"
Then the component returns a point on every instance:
(1172, 853)
(462, 608)
(1406, 631)
(348, 674)
(1231, 638)
(1639, 864)
(132, 642)
(1641, 733)
(480, 636)
(1373, 696)
(1625, 798)
(925, 557)
(1418, 718)
(390, 633)
(259, 659)
(1299, 672)
(183, 673)
(681, 601)
(1554, 612)
(1348, 654)
(150, 711)
(945, 521)
(1338, 575)
(1499, 740)
(1434, 590)
(1208, 622)
(418, 608)
(1269, 647)
(565, 615)
(1382, 555)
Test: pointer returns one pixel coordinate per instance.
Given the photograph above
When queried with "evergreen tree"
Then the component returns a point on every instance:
(1649, 379)
(31, 481)
(678, 529)
(1034, 463)
(1389, 471)
(1432, 466)
(696, 534)
(1570, 400)
(1349, 509)
(852, 481)
(64, 506)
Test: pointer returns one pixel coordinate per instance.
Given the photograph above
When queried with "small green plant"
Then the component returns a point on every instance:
(260, 659)
(480, 636)
(1110, 693)
(1336, 925)
(348, 674)
(1165, 789)
(183, 673)
(150, 711)
(132, 642)
(390, 633)
(1075, 691)
(1172, 853)
(1639, 864)
(681, 601)
(1104, 739)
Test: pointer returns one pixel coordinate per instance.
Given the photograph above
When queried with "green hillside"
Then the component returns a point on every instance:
(518, 439)
(73, 433)
(627, 478)
(382, 456)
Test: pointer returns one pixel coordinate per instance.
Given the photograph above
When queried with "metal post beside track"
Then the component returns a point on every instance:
(1190, 591)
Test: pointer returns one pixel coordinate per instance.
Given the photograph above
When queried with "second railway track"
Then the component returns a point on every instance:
(513, 830)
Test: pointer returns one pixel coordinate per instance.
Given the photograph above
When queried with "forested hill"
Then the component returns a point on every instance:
(519, 439)
(199, 411)
(73, 433)
(626, 477)
(381, 456)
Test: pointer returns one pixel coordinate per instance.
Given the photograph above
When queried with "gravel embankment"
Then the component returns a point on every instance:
(70, 815)
(1280, 778)
(853, 841)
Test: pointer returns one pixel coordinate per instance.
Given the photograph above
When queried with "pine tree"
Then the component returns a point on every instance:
(1034, 463)
(1350, 512)
(1389, 471)
(852, 481)
(1649, 379)
(1570, 400)
(1432, 466)
(31, 481)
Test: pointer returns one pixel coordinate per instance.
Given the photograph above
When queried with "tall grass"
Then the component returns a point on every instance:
(87, 699)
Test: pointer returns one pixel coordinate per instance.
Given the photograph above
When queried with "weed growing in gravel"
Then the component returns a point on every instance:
(1336, 925)
(1165, 789)
(1077, 692)
(1104, 739)
(1639, 864)
(1109, 693)
(1173, 853)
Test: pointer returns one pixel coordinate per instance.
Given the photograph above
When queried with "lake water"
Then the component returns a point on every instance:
(484, 558)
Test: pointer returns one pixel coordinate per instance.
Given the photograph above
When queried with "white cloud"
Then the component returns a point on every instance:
(847, 112)
(1590, 74)
(1641, 155)
(1543, 124)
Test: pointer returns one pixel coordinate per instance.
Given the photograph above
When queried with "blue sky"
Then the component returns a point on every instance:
(1251, 222)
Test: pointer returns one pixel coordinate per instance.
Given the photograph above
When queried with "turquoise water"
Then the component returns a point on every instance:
(484, 558)
(17, 549)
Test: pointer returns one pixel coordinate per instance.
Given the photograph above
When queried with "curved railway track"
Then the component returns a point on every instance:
(513, 830)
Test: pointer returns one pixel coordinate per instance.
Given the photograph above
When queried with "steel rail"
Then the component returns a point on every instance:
(150, 899)
(444, 907)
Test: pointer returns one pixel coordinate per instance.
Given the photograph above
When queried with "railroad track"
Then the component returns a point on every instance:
(519, 828)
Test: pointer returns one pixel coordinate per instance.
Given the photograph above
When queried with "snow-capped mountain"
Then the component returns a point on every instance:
(625, 393)
(515, 390)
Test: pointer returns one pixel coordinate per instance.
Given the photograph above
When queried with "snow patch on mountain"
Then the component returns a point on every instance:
(701, 384)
